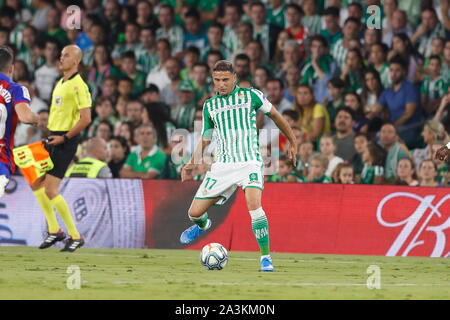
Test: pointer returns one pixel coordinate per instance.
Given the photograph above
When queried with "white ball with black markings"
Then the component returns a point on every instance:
(214, 256)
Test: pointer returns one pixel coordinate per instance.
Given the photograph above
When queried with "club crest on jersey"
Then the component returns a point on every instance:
(241, 95)
(58, 100)
(253, 177)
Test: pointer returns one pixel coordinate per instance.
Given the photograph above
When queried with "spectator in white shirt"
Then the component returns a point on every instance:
(158, 75)
(46, 75)
(328, 147)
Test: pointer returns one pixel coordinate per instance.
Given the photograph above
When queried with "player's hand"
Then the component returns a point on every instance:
(442, 153)
(55, 140)
(292, 154)
(186, 172)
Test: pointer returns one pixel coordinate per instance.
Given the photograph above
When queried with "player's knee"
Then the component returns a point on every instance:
(195, 213)
(51, 194)
(253, 204)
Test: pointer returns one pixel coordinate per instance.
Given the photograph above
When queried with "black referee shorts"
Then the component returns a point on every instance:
(62, 154)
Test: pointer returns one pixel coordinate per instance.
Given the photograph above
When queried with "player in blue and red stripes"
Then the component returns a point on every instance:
(14, 107)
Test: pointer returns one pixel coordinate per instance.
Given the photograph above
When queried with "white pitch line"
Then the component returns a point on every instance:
(239, 259)
(307, 284)
(119, 255)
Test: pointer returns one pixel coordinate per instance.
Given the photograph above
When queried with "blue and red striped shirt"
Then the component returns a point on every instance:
(11, 94)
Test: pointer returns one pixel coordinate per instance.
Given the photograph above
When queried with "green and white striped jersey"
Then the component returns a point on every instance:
(339, 53)
(232, 121)
(434, 89)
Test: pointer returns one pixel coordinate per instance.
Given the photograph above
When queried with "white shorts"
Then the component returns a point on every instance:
(224, 178)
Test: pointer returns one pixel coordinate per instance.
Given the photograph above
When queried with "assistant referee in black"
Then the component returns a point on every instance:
(70, 113)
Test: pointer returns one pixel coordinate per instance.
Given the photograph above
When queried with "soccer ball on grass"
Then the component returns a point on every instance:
(214, 256)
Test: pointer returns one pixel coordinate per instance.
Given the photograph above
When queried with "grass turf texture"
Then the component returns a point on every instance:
(29, 273)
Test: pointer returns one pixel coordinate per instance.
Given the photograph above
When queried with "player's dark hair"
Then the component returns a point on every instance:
(42, 111)
(223, 66)
(6, 58)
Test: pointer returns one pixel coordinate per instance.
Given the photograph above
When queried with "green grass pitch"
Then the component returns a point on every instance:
(29, 273)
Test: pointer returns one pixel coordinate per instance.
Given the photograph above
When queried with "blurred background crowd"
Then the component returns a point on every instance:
(367, 105)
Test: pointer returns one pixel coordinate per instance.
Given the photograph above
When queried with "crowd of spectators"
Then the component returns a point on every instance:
(367, 105)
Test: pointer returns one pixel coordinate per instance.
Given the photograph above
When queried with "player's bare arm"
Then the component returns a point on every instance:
(25, 114)
(85, 120)
(186, 171)
(287, 131)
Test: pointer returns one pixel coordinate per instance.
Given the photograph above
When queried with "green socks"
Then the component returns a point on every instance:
(260, 228)
(200, 221)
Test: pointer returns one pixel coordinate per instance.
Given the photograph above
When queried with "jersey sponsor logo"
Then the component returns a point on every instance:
(230, 107)
(5, 94)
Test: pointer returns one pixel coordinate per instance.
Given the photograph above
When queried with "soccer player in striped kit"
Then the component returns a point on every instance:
(231, 117)
(14, 106)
